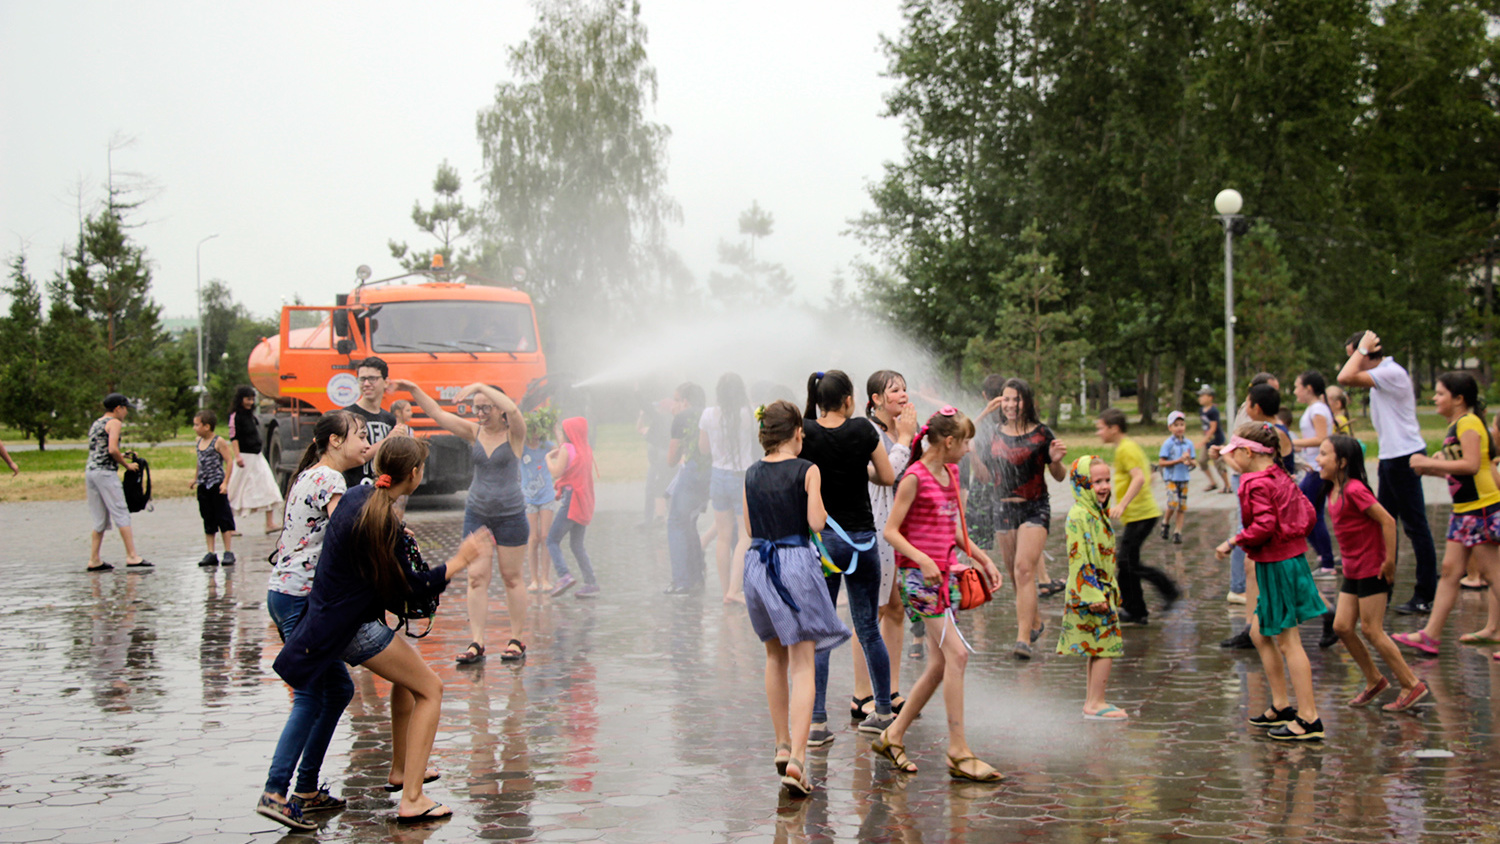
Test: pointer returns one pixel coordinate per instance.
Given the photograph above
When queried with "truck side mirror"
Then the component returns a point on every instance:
(344, 346)
(341, 323)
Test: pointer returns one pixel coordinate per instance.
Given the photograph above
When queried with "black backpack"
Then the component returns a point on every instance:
(137, 485)
(412, 606)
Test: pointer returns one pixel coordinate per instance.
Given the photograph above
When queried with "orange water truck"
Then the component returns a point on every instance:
(439, 328)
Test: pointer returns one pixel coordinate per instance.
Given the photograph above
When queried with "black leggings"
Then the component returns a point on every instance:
(1131, 571)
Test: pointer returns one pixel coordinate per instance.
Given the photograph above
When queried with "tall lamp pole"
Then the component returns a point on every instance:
(201, 396)
(1228, 203)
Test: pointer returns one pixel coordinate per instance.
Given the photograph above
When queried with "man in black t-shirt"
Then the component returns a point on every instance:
(372, 372)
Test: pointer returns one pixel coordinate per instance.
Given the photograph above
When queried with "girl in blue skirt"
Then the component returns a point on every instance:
(784, 591)
(1276, 519)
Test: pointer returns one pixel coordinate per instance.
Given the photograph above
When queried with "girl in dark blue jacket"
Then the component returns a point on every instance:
(360, 575)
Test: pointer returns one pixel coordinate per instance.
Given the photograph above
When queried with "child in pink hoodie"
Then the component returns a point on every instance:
(1276, 519)
(572, 464)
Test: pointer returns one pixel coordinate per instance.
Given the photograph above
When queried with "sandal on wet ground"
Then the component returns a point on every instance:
(1418, 640)
(514, 655)
(1107, 713)
(1477, 639)
(472, 654)
(895, 753)
(983, 771)
(100, 567)
(799, 785)
(857, 706)
(436, 812)
(1050, 588)
(142, 563)
(783, 755)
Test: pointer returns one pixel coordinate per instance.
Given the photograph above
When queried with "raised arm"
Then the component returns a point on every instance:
(514, 418)
(1354, 374)
(466, 429)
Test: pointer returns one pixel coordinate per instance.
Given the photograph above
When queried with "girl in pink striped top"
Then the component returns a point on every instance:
(926, 531)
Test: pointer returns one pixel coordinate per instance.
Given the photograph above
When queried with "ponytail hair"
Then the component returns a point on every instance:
(1463, 386)
(779, 422)
(947, 422)
(334, 423)
(876, 385)
(1314, 380)
(827, 390)
(377, 531)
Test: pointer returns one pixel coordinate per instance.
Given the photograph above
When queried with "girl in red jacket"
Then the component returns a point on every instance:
(1277, 518)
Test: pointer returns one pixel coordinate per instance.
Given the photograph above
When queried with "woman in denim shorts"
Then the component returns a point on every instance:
(726, 433)
(1015, 454)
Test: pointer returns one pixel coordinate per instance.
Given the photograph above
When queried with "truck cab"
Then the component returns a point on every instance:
(441, 329)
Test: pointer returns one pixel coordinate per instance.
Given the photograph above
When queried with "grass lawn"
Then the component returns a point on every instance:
(58, 475)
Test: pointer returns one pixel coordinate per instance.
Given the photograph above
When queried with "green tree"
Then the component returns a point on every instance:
(448, 220)
(1033, 335)
(230, 333)
(748, 281)
(49, 364)
(1270, 336)
(575, 173)
(109, 279)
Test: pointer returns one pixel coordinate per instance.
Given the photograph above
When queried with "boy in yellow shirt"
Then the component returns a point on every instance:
(1137, 509)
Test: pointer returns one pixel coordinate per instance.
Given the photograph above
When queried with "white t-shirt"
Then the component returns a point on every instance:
(1393, 409)
(733, 457)
(301, 540)
(1313, 411)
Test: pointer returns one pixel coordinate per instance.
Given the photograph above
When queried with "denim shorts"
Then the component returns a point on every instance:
(726, 490)
(371, 638)
(550, 507)
(509, 531)
(1010, 515)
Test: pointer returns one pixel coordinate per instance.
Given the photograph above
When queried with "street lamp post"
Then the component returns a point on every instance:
(1228, 204)
(201, 396)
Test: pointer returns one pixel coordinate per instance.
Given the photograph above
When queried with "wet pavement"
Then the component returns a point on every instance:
(142, 708)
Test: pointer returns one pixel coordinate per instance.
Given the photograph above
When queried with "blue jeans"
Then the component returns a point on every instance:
(689, 497)
(563, 526)
(1401, 495)
(315, 710)
(1312, 487)
(864, 602)
(1237, 556)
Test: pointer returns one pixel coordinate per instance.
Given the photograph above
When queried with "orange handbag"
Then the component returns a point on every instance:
(970, 588)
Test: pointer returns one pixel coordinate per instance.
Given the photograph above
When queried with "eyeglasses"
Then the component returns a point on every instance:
(370, 379)
(483, 408)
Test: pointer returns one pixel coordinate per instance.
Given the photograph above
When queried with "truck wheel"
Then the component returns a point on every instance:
(273, 457)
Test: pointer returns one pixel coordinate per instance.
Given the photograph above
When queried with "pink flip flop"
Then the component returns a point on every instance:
(1418, 640)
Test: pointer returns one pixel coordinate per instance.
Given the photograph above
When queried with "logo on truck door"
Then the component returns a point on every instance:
(448, 394)
(343, 389)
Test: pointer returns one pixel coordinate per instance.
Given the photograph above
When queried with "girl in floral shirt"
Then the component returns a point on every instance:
(338, 445)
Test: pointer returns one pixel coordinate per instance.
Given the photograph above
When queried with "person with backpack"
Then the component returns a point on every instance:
(106, 496)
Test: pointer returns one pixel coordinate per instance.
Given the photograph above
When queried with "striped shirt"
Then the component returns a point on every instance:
(930, 523)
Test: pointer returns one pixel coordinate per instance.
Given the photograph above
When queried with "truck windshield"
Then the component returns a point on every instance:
(465, 326)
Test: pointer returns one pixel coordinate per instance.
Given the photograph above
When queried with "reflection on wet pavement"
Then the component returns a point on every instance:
(142, 708)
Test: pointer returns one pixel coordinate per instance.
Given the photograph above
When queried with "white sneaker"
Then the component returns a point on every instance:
(1235, 597)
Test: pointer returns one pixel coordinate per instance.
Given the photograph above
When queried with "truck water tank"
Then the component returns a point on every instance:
(265, 369)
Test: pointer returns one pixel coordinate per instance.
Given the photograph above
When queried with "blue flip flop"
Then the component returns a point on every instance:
(1105, 715)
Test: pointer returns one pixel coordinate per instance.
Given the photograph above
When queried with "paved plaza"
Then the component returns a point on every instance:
(142, 708)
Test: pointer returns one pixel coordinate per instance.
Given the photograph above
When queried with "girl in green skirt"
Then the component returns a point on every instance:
(1276, 519)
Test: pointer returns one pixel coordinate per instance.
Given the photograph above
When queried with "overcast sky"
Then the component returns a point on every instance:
(301, 133)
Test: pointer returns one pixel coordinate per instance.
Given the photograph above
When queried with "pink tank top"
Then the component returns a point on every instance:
(930, 523)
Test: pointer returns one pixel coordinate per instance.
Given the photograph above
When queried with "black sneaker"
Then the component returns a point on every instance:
(1165, 532)
(1329, 638)
(819, 736)
(227, 559)
(1133, 620)
(1310, 732)
(209, 560)
(1416, 606)
(1239, 642)
(1278, 718)
(1176, 539)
